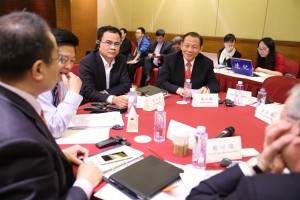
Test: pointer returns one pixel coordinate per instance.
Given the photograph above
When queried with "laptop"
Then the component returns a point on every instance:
(214, 58)
(242, 66)
(146, 177)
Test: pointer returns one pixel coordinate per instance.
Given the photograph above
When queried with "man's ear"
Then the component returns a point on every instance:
(38, 70)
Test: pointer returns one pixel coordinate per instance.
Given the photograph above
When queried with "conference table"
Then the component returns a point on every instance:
(228, 79)
(216, 119)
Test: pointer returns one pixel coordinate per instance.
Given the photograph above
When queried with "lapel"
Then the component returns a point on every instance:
(100, 71)
(180, 67)
(196, 68)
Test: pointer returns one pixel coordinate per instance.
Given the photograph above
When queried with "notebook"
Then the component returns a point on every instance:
(150, 90)
(214, 58)
(146, 177)
(242, 66)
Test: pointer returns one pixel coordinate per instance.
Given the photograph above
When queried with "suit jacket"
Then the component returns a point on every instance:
(125, 48)
(171, 74)
(228, 62)
(233, 185)
(166, 48)
(92, 75)
(32, 164)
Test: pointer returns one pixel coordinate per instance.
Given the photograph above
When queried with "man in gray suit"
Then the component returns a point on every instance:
(32, 165)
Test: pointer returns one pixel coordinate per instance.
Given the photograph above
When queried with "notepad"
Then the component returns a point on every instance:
(146, 177)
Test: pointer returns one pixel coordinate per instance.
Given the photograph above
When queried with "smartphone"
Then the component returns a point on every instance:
(113, 157)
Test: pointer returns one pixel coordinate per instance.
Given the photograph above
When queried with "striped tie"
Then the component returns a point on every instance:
(55, 95)
(188, 71)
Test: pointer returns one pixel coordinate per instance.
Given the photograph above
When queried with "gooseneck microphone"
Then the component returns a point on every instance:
(227, 132)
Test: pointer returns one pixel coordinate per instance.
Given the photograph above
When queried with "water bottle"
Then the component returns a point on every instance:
(160, 124)
(261, 96)
(187, 94)
(199, 148)
(239, 94)
(132, 99)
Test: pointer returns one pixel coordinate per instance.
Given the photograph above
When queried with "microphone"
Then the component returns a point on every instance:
(227, 132)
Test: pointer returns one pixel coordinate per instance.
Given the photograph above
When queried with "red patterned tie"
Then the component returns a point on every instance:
(188, 71)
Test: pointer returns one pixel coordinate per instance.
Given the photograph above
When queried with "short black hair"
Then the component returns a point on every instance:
(65, 37)
(110, 29)
(123, 29)
(229, 38)
(25, 38)
(142, 30)
(160, 32)
(194, 34)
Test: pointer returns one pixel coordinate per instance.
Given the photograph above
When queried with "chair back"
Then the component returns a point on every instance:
(277, 87)
(133, 47)
(291, 67)
(75, 69)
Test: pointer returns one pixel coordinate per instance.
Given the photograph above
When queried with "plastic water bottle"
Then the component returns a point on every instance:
(187, 94)
(238, 99)
(160, 124)
(261, 96)
(199, 148)
(132, 99)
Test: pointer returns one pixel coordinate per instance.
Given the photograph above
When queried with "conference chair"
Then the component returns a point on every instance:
(277, 87)
(291, 67)
(133, 47)
(154, 75)
(75, 69)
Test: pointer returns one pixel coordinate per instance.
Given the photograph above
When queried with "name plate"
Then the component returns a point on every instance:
(268, 112)
(246, 96)
(153, 101)
(205, 100)
(227, 147)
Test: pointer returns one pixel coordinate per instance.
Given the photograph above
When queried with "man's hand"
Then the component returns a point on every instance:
(203, 90)
(90, 172)
(75, 154)
(132, 62)
(276, 138)
(72, 82)
(121, 101)
(150, 55)
(180, 91)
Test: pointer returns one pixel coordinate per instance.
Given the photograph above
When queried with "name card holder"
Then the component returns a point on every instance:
(219, 148)
(246, 96)
(153, 101)
(205, 100)
(268, 112)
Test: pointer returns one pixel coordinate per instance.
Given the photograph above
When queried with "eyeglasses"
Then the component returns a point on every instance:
(262, 50)
(62, 59)
(109, 43)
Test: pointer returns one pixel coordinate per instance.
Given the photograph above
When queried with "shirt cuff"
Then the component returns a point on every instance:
(85, 185)
(110, 98)
(73, 98)
(245, 169)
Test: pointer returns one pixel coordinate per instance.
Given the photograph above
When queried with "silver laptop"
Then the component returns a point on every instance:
(214, 58)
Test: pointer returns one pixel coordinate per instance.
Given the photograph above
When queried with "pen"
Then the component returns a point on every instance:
(155, 153)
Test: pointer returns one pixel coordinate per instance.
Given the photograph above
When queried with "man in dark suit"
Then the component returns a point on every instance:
(126, 47)
(104, 71)
(263, 177)
(188, 64)
(32, 164)
(157, 50)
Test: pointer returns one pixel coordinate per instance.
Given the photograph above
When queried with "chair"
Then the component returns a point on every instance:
(154, 75)
(291, 67)
(278, 86)
(138, 76)
(133, 47)
(75, 69)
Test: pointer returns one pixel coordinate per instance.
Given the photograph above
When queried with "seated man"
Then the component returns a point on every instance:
(60, 104)
(104, 71)
(188, 64)
(32, 164)
(126, 47)
(158, 48)
(176, 43)
(262, 177)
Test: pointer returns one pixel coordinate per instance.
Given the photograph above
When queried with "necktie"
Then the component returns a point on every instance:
(55, 95)
(188, 72)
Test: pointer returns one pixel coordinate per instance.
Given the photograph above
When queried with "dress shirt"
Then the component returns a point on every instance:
(157, 51)
(107, 68)
(185, 67)
(58, 118)
(85, 185)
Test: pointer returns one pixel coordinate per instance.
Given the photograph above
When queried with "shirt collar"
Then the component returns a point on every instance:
(106, 63)
(185, 61)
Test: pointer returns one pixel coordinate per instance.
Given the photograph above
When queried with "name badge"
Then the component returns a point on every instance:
(227, 147)
(205, 100)
(153, 101)
(268, 112)
(246, 96)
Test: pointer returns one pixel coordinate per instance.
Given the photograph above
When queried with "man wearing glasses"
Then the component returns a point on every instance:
(104, 71)
(60, 104)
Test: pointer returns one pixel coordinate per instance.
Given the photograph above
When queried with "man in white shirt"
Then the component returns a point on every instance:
(60, 104)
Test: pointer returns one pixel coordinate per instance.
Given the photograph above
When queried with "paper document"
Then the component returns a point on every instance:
(108, 119)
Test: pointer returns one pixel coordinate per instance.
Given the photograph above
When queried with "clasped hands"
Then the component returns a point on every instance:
(202, 90)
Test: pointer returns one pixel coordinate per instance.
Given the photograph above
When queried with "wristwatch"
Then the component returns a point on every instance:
(253, 164)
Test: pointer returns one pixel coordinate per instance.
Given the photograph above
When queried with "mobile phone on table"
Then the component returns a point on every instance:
(113, 157)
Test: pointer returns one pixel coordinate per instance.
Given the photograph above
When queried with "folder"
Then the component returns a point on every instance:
(146, 177)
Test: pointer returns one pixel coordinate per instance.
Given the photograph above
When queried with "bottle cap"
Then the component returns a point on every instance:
(160, 108)
(262, 89)
(201, 129)
(132, 89)
(240, 82)
(188, 80)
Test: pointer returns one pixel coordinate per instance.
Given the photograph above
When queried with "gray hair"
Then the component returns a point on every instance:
(177, 40)
(293, 104)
